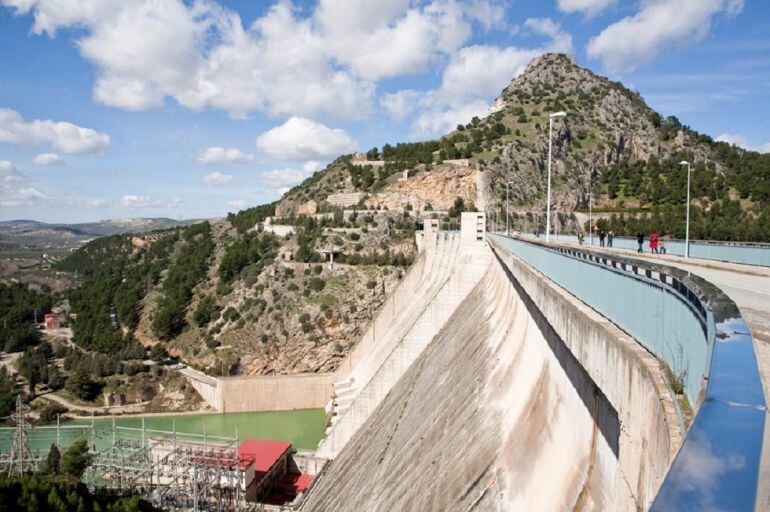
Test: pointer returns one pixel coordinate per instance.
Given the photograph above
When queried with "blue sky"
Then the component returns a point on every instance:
(189, 109)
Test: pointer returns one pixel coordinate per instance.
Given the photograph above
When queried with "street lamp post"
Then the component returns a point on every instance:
(687, 221)
(507, 215)
(590, 220)
(551, 117)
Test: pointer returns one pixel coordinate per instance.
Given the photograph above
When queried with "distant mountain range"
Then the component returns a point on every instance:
(32, 231)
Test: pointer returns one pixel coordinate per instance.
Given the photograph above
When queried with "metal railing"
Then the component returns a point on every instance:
(698, 331)
(733, 252)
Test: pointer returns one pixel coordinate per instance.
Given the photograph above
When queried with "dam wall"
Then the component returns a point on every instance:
(274, 392)
(525, 399)
(454, 268)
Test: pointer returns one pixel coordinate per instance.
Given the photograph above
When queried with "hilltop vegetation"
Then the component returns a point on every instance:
(19, 306)
(219, 296)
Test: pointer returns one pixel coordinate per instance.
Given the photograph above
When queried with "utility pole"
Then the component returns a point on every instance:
(551, 117)
(590, 208)
(687, 222)
(507, 184)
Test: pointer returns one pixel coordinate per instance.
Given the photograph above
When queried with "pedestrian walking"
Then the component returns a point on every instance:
(610, 237)
(601, 238)
(640, 241)
(581, 238)
(662, 244)
(654, 243)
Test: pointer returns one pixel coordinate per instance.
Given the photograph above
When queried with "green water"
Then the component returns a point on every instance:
(303, 428)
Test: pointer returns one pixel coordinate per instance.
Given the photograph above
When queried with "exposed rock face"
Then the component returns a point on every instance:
(605, 124)
(438, 188)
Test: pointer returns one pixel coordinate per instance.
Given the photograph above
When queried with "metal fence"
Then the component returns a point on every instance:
(717, 467)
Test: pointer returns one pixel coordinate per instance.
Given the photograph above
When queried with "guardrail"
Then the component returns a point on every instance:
(698, 331)
(733, 252)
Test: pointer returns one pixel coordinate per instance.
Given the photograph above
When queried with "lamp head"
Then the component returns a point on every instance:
(684, 162)
(557, 114)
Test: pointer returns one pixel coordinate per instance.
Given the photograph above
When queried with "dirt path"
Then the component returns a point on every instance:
(116, 409)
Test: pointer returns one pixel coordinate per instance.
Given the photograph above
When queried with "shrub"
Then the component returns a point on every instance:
(49, 412)
(316, 284)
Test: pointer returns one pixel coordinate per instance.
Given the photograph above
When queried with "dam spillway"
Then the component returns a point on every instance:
(507, 408)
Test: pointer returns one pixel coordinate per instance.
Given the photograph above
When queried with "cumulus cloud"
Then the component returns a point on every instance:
(283, 179)
(200, 55)
(476, 74)
(66, 137)
(303, 139)
(741, 141)
(237, 204)
(401, 104)
(48, 159)
(21, 197)
(220, 156)
(217, 179)
(286, 62)
(658, 26)
(9, 173)
(588, 7)
(386, 39)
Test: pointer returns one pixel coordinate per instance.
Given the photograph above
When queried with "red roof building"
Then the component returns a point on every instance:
(266, 464)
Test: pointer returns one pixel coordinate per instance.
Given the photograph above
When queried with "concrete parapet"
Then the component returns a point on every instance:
(626, 373)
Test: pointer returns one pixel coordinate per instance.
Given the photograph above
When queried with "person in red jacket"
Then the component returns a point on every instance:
(654, 242)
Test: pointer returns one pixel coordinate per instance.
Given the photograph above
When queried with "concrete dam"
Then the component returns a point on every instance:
(495, 388)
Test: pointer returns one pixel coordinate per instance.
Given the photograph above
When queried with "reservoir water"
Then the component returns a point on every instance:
(303, 428)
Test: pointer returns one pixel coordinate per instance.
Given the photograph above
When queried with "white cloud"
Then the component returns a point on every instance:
(444, 120)
(221, 156)
(304, 139)
(9, 173)
(67, 137)
(398, 37)
(48, 159)
(237, 204)
(280, 178)
(401, 104)
(21, 197)
(741, 141)
(476, 74)
(316, 62)
(217, 179)
(312, 166)
(658, 26)
(135, 202)
(98, 203)
(200, 54)
(587, 7)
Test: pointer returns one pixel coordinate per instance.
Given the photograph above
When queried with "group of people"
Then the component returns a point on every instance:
(657, 242)
(609, 236)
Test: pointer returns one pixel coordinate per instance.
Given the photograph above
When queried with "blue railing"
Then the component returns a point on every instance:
(702, 339)
(746, 253)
